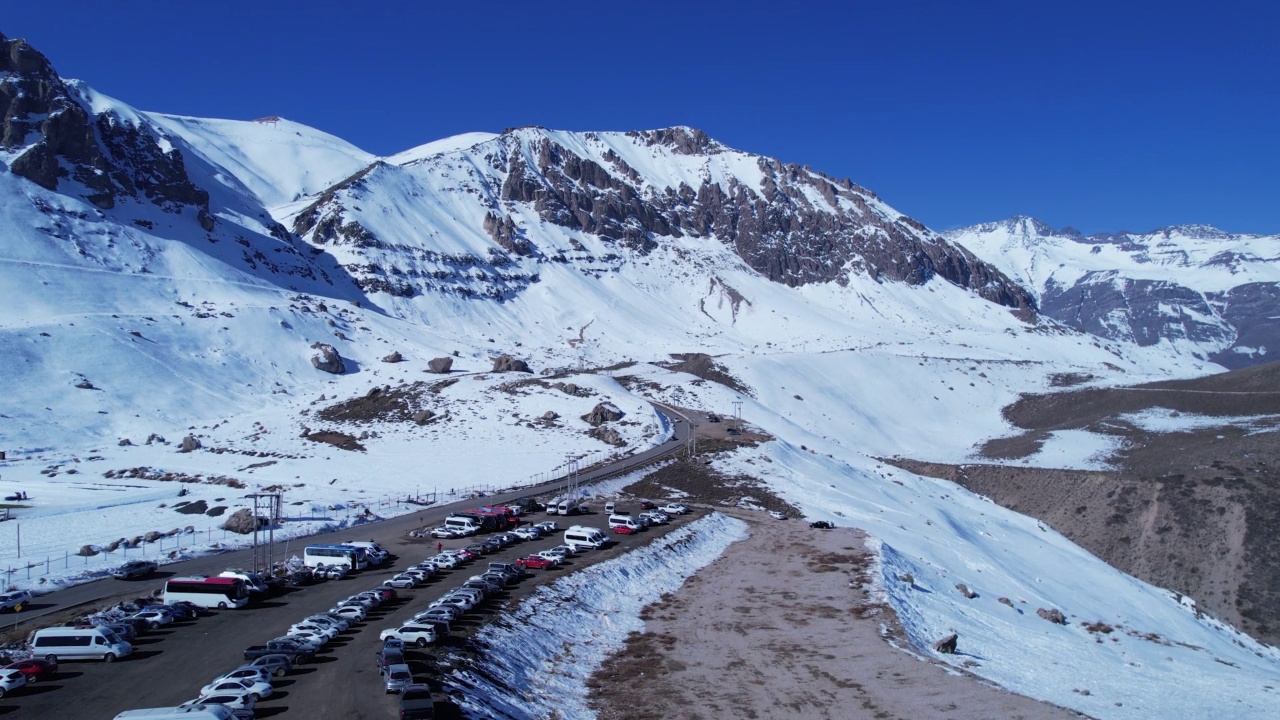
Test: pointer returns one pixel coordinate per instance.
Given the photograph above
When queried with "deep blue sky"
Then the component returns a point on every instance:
(1104, 116)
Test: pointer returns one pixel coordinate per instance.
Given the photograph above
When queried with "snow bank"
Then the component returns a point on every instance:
(536, 658)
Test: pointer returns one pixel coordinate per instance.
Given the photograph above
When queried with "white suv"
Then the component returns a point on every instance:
(420, 635)
(15, 601)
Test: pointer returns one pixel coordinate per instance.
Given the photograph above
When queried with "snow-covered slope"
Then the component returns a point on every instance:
(276, 160)
(1197, 288)
(154, 289)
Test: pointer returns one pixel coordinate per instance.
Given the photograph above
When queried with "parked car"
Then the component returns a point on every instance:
(153, 617)
(444, 533)
(528, 533)
(445, 612)
(276, 664)
(674, 509)
(134, 569)
(403, 580)
(328, 631)
(388, 594)
(353, 612)
(537, 562)
(331, 572)
(625, 529)
(15, 601)
(777, 515)
(11, 680)
(548, 526)
(416, 703)
(316, 637)
(822, 524)
(257, 689)
(398, 677)
(420, 635)
(240, 704)
(246, 672)
(446, 560)
(388, 656)
(35, 669)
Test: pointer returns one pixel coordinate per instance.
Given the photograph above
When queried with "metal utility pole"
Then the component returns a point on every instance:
(737, 415)
(264, 538)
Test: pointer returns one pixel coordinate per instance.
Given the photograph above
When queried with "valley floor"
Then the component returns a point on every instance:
(779, 626)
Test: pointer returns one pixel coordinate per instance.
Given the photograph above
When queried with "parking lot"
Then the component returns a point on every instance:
(170, 665)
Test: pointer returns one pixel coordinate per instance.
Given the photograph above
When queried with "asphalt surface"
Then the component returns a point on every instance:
(169, 666)
(383, 532)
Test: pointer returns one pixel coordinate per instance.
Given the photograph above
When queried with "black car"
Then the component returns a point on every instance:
(821, 524)
(134, 569)
(416, 703)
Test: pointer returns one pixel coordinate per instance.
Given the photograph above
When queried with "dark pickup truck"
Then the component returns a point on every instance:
(416, 703)
(297, 651)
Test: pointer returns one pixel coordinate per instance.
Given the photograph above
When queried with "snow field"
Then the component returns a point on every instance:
(559, 635)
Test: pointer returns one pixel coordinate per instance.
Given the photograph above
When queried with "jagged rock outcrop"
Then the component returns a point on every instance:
(394, 357)
(509, 363)
(1053, 615)
(243, 521)
(602, 413)
(440, 365)
(946, 645)
(328, 360)
(60, 140)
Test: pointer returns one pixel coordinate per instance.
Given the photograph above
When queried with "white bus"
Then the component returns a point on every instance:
(214, 592)
(352, 558)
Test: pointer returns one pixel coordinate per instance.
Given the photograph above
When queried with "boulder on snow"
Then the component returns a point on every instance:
(965, 591)
(440, 365)
(946, 645)
(607, 435)
(189, 443)
(550, 415)
(394, 357)
(87, 551)
(242, 521)
(1005, 601)
(85, 385)
(422, 417)
(602, 413)
(328, 360)
(508, 363)
(1053, 615)
(152, 536)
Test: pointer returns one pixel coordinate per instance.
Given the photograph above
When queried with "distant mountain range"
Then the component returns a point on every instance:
(1193, 287)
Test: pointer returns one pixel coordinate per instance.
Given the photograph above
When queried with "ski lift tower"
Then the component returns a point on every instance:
(265, 505)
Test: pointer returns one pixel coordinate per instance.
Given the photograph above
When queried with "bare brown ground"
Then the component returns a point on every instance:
(772, 629)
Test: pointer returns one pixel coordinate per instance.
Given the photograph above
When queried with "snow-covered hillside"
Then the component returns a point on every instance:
(170, 276)
(1199, 289)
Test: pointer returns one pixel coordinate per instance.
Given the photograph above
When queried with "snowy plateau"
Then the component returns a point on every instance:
(168, 277)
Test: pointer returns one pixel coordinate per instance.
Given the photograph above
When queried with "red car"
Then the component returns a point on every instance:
(624, 530)
(537, 562)
(35, 669)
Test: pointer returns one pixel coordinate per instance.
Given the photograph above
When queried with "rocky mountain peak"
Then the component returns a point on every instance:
(59, 139)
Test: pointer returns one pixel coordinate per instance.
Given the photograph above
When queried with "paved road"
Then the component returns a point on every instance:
(171, 665)
(385, 532)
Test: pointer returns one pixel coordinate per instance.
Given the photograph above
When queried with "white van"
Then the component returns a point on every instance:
(56, 644)
(580, 537)
(625, 521)
(195, 712)
(465, 524)
(609, 507)
(569, 507)
(372, 550)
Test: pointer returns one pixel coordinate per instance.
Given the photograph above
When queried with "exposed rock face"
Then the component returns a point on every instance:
(60, 139)
(607, 435)
(189, 444)
(792, 224)
(508, 363)
(394, 357)
(422, 417)
(328, 360)
(1187, 305)
(441, 365)
(946, 645)
(1053, 615)
(243, 521)
(602, 413)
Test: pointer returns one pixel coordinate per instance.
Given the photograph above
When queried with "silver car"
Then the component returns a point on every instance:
(398, 677)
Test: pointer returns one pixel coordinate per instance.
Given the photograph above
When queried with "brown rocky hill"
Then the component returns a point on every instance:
(1196, 511)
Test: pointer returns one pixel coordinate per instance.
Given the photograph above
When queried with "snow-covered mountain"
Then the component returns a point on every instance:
(172, 276)
(1194, 287)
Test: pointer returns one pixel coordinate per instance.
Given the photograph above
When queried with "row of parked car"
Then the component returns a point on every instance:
(428, 625)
